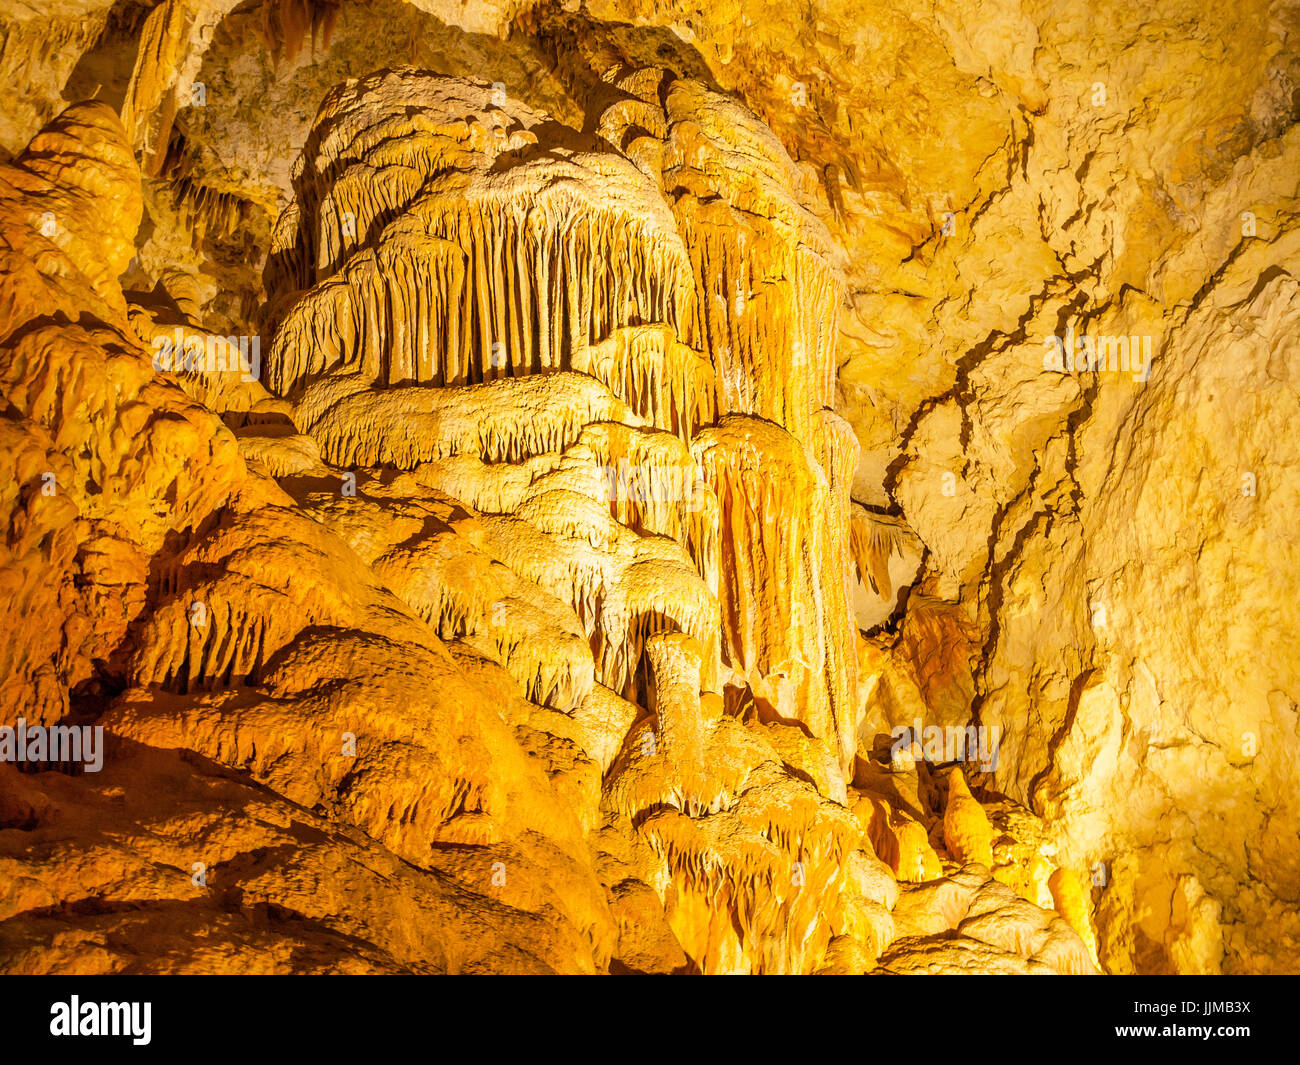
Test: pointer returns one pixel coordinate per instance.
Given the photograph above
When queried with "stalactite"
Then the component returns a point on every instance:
(663, 381)
(173, 36)
(624, 588)
(210, 637)
(388, 316)
(157, 60)
(286, 24)
(549, 263)
(757, 875)
(541, 557)
(766, 310)
(766, 271)
(482, 326)
(553, 664)
(287, 273)
(836, 449)
(208, 211)
(875, 539)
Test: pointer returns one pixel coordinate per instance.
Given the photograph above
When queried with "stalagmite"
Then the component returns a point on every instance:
(1071, 900)
(901, 842)
(966, 830)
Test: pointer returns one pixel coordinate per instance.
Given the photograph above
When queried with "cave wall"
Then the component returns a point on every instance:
(657, 407)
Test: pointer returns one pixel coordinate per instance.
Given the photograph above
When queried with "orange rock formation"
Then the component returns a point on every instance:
(517, 489)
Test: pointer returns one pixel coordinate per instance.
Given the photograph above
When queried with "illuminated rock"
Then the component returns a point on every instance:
(653, 436)
(967, 834)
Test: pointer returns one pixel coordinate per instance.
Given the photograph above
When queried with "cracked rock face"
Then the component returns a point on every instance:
(610, 486)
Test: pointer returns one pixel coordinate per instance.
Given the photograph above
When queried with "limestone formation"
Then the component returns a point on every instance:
(625, 487)
(966, 830)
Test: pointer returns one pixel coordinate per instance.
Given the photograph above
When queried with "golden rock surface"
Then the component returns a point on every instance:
(626, 487)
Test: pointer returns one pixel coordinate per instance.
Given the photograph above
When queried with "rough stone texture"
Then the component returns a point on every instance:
(656, 410)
